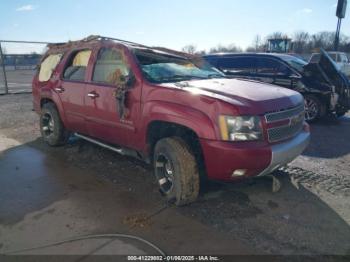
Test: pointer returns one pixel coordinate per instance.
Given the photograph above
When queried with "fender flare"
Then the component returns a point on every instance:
(54, 97)
(196, 120)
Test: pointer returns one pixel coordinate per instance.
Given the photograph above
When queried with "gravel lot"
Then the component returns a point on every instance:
(309, 215)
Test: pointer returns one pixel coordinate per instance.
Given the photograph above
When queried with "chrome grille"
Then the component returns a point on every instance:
(295, 117)
(285, 114)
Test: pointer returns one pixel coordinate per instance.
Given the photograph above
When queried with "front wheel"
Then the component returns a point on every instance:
(176, 171)
(314, 108)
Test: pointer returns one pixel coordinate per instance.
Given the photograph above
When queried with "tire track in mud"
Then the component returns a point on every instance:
(336, 185)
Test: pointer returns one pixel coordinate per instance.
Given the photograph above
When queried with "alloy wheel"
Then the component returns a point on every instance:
(311, 109)
(164, 173)
(48, 124)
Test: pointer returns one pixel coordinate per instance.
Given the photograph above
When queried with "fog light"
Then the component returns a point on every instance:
(239, 172)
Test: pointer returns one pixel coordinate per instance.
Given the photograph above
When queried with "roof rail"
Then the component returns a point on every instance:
(94, 38)
(105, 38)
(118, 40)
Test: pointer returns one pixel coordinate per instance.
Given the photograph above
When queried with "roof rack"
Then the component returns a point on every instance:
(173, 52)
(94, 38)
(104, 38)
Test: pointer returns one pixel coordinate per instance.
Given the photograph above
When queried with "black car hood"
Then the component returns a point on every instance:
(326, 73)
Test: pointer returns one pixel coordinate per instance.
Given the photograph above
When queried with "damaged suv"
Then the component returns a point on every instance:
(323, 86)
(169, 109)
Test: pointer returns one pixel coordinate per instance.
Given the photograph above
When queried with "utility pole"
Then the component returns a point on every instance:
(341, 10)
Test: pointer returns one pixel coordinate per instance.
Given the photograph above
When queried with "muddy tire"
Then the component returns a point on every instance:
(314, 108)
(176, 171)
(51, 126)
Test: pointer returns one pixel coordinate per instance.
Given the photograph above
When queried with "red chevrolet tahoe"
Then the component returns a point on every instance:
(167, 108)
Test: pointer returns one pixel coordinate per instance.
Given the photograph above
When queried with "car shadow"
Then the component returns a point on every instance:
(330, 138)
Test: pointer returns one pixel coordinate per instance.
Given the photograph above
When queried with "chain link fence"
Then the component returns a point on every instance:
(18, 62)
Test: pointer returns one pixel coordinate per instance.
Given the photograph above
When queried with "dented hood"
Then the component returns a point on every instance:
(250, 97)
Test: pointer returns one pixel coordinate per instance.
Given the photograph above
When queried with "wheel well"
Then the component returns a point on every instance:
(161, 129)
(324, 98)
(45, 101)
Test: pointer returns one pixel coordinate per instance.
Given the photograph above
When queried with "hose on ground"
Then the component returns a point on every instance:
(85, 238)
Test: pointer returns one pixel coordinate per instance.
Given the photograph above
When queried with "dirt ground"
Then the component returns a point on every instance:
(48, 194)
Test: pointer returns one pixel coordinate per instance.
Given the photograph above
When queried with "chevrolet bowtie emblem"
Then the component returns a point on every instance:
(296, 119)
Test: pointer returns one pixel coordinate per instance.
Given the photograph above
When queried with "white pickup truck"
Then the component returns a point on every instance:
(339, 58)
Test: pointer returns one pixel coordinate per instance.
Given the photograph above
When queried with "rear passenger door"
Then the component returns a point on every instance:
(72, 90)
(238, 66)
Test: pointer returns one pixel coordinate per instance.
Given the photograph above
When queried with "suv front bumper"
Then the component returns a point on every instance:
(285, 153)
(256, 158)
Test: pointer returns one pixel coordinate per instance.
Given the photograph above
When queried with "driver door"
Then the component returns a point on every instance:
(274, 72)
(103, 117)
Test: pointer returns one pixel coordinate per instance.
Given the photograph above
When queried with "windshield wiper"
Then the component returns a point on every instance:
(181, 77)
(190, 77)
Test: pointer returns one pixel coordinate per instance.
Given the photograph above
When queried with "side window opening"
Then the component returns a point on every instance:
(271, 67)
(76, 67)
(237, 65)
(110, 65)
(48, 66)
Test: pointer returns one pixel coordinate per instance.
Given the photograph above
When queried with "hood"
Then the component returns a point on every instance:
(326, 71)
(250, 97)
(330, 72)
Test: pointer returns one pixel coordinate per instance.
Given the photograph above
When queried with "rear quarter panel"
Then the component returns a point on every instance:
(45, 90)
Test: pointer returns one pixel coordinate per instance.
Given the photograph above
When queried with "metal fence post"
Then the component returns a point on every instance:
(3, 69)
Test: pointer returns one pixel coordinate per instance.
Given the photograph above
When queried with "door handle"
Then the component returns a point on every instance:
(59, 89)
(93, 95)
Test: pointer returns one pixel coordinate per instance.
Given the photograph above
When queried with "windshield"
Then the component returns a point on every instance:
(297, 63)
(159, 67)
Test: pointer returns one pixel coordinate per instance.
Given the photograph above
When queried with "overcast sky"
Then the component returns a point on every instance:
(172, 23)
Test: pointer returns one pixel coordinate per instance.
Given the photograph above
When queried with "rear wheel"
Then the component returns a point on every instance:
(314, 108)
(176, 171)
(51, 126)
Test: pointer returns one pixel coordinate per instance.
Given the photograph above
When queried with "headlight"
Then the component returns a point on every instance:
(240, 128)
